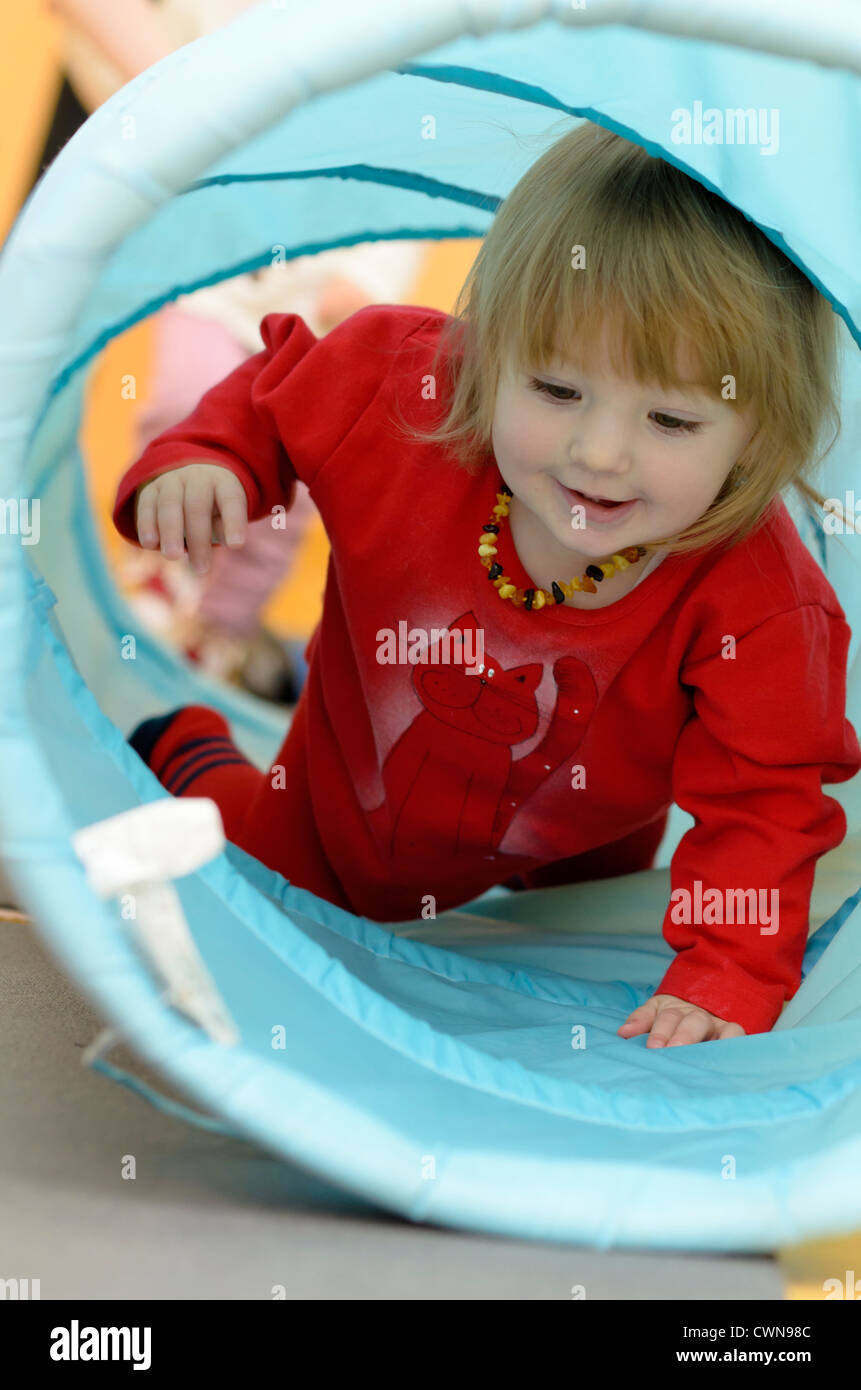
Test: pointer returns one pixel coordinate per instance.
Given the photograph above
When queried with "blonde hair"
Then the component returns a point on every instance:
(668, 261)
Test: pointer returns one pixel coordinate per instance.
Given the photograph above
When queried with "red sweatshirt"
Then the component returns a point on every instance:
(718, 683)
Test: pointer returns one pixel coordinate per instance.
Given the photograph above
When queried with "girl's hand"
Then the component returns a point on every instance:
(202, 502)
(674, 1022)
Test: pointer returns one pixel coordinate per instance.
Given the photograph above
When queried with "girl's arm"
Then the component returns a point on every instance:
(231, 426)
(769, 728)
(128, 32)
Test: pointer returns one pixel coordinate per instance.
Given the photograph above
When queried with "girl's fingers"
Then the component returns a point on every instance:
(640, 1021)
(145, 520)
(731, 1030)
(685, 1028)
(233, 509)
(170, 520)
(673, 1025)
(664, 1027)
(197, 506)
(194, 502)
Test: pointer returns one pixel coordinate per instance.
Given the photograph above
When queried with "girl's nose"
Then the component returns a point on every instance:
(599, 445)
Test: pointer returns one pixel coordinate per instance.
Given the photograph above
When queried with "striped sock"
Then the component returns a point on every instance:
(192, 754)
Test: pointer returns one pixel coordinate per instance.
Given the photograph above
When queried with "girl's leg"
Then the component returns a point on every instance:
(192, 754)
(270, 817)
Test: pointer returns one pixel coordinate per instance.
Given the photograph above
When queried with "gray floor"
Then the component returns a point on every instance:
(214, 1218)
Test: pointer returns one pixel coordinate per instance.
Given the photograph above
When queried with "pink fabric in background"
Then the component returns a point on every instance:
(191, 354)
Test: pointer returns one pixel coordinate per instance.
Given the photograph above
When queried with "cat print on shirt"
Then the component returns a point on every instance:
(452, 783)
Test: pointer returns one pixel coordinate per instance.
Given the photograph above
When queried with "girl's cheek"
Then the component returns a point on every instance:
(533, 439)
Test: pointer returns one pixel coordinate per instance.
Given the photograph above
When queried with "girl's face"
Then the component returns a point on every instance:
(563, 437)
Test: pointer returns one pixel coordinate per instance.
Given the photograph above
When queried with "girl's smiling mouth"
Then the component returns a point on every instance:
(599, 510)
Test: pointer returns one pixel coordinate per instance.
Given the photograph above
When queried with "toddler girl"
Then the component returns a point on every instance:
(563, 590)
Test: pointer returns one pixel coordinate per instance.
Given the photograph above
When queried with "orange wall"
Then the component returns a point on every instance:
(29, 83)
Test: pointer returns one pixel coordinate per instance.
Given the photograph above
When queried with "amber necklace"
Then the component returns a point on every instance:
(533, 599)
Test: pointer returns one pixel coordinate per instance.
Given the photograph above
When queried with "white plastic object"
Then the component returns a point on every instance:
(137, 853)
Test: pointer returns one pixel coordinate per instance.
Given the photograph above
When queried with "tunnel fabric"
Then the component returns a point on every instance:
(463, 1070)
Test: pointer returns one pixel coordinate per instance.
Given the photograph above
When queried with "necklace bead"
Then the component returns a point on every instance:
(534, 599)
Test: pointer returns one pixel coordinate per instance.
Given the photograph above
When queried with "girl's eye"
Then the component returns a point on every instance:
(675, 425)
(670, 424)
(546, 388)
